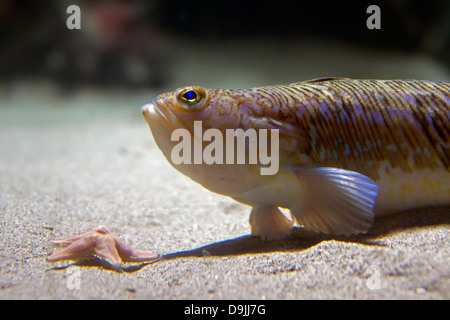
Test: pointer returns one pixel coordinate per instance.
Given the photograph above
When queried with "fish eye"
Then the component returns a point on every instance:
(190, 95)
(191, 98)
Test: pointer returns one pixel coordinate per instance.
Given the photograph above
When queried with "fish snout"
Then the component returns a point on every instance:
(148, 108)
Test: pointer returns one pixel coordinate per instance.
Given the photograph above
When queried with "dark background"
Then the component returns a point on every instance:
(132, 43)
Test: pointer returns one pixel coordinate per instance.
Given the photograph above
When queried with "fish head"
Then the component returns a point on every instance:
(180, 108)
(185, 108)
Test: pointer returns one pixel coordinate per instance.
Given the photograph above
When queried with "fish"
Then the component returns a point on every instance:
(349, 150)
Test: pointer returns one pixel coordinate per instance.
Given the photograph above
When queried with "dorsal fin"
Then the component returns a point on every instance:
(321, 80)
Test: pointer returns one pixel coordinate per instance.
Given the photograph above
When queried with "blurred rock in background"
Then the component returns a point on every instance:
(120, 43)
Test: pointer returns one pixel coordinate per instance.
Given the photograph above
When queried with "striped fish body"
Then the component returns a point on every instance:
(395, 132)
(348, 149)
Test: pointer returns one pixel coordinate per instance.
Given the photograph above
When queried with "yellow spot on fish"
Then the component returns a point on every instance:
(390, 194)
(393, 179)
(432, 186)
(407, 188)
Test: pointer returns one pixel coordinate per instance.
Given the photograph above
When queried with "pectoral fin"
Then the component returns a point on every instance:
(335, 201)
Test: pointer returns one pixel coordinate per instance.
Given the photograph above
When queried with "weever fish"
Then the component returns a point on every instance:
(350, 149)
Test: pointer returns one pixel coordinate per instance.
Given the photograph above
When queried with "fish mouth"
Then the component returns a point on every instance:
(155, 114)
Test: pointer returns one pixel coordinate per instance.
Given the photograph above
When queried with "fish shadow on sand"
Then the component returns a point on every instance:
(301, 239)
